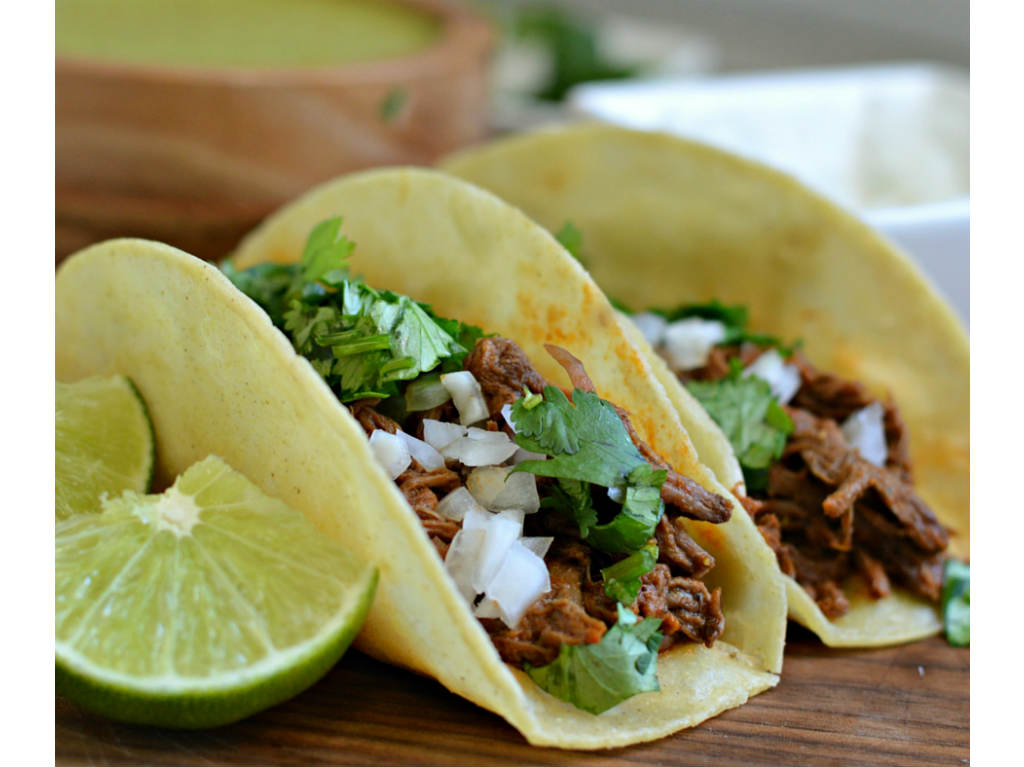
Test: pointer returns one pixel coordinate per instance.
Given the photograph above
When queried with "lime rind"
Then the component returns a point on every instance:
(104, 443)
(200, 606)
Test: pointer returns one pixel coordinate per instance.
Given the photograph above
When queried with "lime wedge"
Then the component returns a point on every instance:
(104, 443)
(202, 605)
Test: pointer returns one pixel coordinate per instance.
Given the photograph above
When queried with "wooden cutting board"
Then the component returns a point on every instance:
(901, 705)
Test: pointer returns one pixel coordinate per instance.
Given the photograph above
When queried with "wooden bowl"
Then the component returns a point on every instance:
(197, 156)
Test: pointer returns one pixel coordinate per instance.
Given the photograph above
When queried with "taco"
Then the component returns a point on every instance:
(857, 469)
(398, 420)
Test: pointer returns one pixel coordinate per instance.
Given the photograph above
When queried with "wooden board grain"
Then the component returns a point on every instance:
(899, 706)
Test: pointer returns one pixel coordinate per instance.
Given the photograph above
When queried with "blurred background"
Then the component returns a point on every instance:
(195, 137)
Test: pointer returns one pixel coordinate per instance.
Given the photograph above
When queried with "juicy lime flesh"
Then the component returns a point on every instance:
(104, 443)
(209, 589)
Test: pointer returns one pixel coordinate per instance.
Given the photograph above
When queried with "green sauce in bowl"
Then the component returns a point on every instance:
(241, 33)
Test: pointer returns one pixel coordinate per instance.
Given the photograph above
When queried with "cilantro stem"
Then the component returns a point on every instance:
(367, 344)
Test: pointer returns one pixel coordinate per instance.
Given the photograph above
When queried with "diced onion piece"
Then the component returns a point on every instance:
(651, 326)
(487, 608)
(538, 546)
(688, 343)
(426, 393)
(506, 413)
(783, 379)
(520, 580)
(865, 431)
(462, 559)
(439, 434)
(455, 505)
(481, 448)
(468, 397)
(425, 455)
(617, 494)
(390, 451)
(496, 488)
(525, 455)
(500, 532)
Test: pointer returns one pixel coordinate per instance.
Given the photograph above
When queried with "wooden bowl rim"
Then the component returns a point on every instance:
(464, 34)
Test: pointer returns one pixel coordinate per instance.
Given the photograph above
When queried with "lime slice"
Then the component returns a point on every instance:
(104, 443)
(200, 606)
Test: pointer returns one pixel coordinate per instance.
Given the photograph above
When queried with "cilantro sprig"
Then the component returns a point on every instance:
(956, 602)
(363, 342)
(751, 418)
(595, 677)
(589, 445)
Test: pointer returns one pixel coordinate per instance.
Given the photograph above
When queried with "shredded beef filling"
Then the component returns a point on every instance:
(576, 610)
(827, 513)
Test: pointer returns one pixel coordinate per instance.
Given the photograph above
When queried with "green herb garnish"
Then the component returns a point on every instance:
(751, 418)
(589, 445)
(571, 238)
(595, 677)
(622, 580)
(363, 342)
(956, 602)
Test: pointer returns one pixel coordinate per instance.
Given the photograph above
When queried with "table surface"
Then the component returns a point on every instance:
(898, 705)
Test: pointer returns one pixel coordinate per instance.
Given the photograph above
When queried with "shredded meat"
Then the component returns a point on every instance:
(827, 513)
(678, 549)
(686, 608)
(420, 488)
(502, 369)
(370, 419)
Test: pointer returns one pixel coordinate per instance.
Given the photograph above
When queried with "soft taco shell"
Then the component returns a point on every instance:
(219, 378)
(666, 220)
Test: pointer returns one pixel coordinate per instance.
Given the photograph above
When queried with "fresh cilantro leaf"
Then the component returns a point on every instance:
(362, 341)
(573, 497)
(956, 602)
(622, 580)
(641, 510)
(548, 424)
(326, 253)
(571, 238)
(752, 420)
(595, 677)
(588, 443)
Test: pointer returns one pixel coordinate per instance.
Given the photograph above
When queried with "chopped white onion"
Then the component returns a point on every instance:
(617, 494)
(455, 505)
(525, 455)
(865, 431)
(425, 393)
(538, 546)
(651, 326)
(487, 608)
(687, 343)
(462, 560)
(439, 434)
(783, 379)
(481, 448)
(425, 455)
(496, 488)
(506, 413)
(521, 578)
(500, 532)
(390, 451)
(469, 399)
